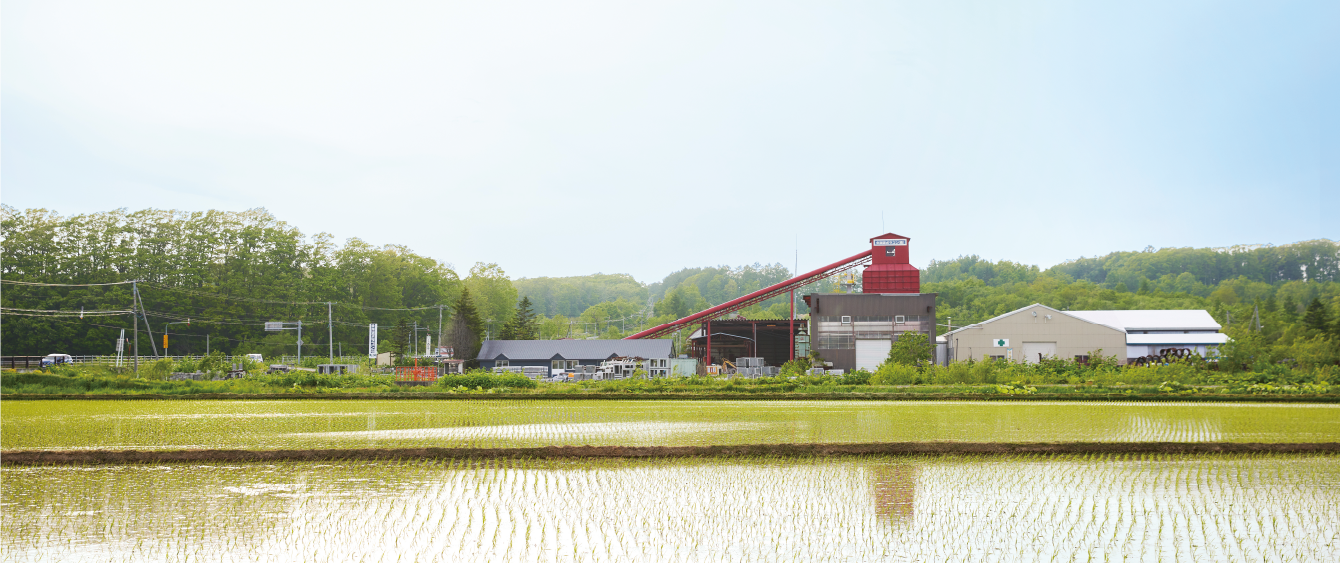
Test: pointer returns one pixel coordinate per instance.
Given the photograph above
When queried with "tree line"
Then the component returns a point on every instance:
(229, 272)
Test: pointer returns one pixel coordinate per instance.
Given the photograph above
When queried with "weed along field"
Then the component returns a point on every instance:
(316, 424)
(944, 508)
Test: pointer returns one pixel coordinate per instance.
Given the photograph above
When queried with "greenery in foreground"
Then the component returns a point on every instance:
(1062, 377)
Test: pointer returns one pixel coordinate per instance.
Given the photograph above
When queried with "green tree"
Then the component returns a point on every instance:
(467, 330)
(400, 338)
(493, 293)
(911, 348)
(1316, 317)
(522, 325)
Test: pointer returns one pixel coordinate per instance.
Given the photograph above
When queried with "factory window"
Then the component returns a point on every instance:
(500, 363)
(1082, 359)
(834, 341)
(899, 319)
(846, 320)
(996, 357)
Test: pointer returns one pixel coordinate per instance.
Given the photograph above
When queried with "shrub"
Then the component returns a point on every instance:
(484, 380)
(858, 377)
(890, 373)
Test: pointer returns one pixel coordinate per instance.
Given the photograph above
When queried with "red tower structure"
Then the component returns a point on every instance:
(889, 270)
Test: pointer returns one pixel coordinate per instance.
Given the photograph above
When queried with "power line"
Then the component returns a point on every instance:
(59, 311)
(64, 284)
(278, 302)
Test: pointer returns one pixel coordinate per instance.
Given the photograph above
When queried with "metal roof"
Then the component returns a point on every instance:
(1197, 338)
(573, 349)
(1022, 309)
(1155, 319)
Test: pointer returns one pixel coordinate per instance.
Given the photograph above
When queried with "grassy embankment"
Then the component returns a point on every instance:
(982, 379)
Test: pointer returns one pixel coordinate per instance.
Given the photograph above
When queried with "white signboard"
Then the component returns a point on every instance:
(274, 326)
(891, 242)
(1000, 343)
(372, 341)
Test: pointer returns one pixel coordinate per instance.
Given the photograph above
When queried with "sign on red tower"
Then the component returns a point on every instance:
(890, 270)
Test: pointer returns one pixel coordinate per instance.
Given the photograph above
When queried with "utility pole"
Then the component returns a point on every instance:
(439, 326)
(147, 328)
(134, 316)
(299, 343)
(331, 326)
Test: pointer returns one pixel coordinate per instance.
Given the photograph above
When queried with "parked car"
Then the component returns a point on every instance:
(256, 358)
(56, 359)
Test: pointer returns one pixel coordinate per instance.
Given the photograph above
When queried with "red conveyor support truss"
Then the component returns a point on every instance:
(756, 297)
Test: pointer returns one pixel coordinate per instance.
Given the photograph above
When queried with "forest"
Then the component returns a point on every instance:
(213, 278)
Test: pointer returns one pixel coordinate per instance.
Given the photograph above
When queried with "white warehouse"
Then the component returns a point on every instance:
(1148, 331)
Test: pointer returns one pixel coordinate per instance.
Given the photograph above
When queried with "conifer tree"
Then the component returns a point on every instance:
(1316, 317)
(467, 330)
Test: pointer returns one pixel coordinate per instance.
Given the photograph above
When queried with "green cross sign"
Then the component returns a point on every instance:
(1000, 343)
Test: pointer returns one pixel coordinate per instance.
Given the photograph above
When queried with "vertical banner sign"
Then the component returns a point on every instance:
(164, 342)
(372, 341)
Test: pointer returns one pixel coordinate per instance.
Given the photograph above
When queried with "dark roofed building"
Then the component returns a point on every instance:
(567, 354)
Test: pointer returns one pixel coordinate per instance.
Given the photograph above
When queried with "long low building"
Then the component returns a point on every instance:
(1148, 332)
(1038, 331)
(568, 354)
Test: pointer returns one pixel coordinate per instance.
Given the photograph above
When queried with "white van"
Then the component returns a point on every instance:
(256, 358)
(56, 359)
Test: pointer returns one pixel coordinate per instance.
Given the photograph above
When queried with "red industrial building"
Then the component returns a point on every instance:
(849, 330)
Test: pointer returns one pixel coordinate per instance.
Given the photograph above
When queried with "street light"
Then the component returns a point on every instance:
(277, 326)
(186, 322)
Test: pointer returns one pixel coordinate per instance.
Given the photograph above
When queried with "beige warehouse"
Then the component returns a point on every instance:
(1032, 332)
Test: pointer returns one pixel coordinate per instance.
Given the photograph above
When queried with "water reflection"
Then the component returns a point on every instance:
(744, 509)
(893, 490)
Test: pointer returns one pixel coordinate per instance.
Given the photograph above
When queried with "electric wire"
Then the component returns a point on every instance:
(15, 282)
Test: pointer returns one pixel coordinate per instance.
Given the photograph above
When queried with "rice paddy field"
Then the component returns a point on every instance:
(1101, 507)
(303, 424)
(1060, 508)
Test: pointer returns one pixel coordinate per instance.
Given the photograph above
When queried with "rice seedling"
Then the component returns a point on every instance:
(1065, 508)
(299, 424)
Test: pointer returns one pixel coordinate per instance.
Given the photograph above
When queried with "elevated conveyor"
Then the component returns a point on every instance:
(757, 296)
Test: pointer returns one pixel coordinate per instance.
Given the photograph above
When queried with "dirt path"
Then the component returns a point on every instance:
(104, 457)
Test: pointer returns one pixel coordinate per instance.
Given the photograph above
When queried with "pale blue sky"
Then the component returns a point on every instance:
(566, 138)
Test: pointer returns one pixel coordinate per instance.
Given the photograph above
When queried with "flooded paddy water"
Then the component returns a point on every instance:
(1225, 507)
(949, 508)
(300, 424)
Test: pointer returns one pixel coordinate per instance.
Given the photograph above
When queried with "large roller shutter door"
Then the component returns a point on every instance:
(1035, 350)
(871, 353)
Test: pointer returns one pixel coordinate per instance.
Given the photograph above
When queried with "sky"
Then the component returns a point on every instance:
(569, 138)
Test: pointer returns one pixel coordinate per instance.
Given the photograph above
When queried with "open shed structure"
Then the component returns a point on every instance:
(746, 338)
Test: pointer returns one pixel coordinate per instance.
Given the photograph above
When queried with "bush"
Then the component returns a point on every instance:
(890, 373)
(858, 377)
(484, 380)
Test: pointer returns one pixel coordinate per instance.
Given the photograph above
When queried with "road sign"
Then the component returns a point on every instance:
(274, 326)
(1000, 343)
(165, 342)
(372, 341)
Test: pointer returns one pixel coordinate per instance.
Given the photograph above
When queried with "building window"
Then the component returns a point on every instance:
(996, 358)
(1082, 359)
(500, 363)
(556, 364)
(846, 320)
(899, 319)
